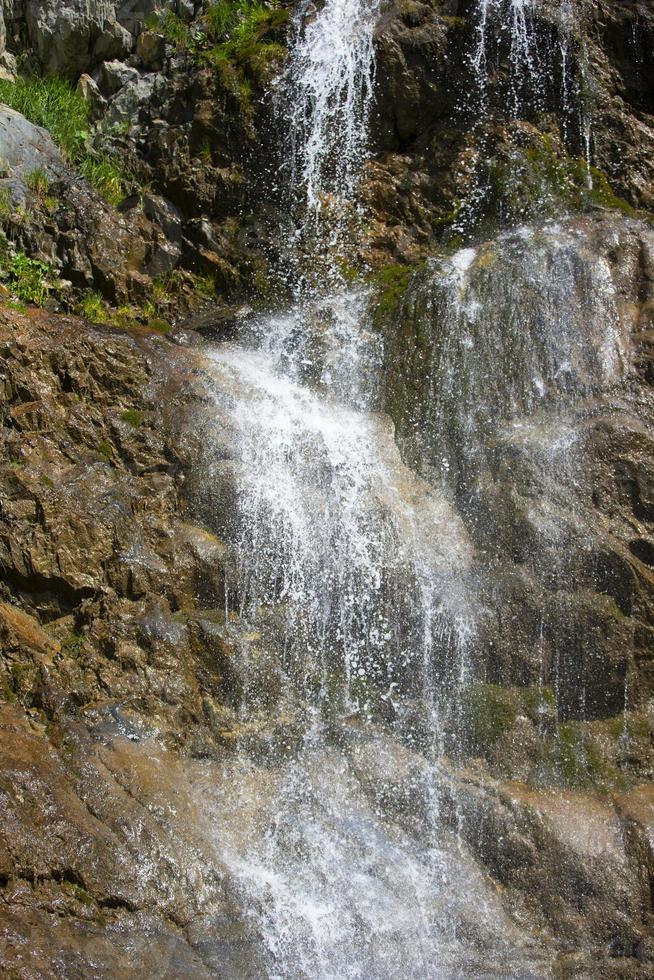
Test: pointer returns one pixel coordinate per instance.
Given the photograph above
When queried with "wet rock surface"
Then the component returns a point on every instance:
(123, 679)
(123, 666)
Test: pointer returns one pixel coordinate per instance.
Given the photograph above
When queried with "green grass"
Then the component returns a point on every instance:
(38, 182)
(233, 41)
(5, 205)
(30, 280)
(172, 28)
(238, 23)
(106, 177)
(54, 104)
(92, 307)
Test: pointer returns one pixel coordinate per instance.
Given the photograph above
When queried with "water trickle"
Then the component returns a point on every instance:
(525, 58)
(531, 324)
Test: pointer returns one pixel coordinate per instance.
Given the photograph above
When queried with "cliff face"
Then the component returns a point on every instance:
(122, 662)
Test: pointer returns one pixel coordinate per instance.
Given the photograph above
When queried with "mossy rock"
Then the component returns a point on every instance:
(541, 180)
(489, 711)
(391, 283)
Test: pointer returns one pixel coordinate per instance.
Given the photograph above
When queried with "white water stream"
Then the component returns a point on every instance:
(357, 622)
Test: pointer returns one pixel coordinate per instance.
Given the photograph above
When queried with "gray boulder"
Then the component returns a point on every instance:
(71, 36)
(112, 75)
(25, 148)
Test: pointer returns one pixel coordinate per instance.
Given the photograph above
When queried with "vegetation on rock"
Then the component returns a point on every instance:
(54, 104)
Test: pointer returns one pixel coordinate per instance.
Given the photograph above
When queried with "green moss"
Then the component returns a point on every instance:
(538, 702)
(489, 712)
(7, 689)
(72, 644)
(106, 450)
(574, 760)
(447, 218)
(158, 325)
(392, 282)
(133, 417)
(541, 180)
(18, 307)
(78, 893)
(206, 285)
(23, 677)
(634, 726)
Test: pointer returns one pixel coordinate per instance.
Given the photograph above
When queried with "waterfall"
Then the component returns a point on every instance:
(351, 616)
(526, 327)
(326, 91)
(526, 58)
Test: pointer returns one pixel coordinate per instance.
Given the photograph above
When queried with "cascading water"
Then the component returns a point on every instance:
(327, 91)
(356, 615)
(525, 58)
(528, 326)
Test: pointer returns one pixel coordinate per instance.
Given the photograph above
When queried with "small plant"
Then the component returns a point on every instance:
(92, 307)
(206, 285)
(38, 183)
(133, 417)
(106, 450)
(30, 280)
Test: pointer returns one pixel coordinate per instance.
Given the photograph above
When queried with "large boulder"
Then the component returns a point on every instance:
(25, 147)
(70, 37)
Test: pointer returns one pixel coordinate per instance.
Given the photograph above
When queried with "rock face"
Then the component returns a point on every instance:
(92, 245)
(122, 663)
(75, 35)
(26, 148)
(536, 422)
(102, 575)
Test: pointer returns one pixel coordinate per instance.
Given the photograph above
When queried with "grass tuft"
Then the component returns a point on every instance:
(55, 105)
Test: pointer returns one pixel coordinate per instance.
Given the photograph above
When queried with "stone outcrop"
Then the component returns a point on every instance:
(569, 463)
